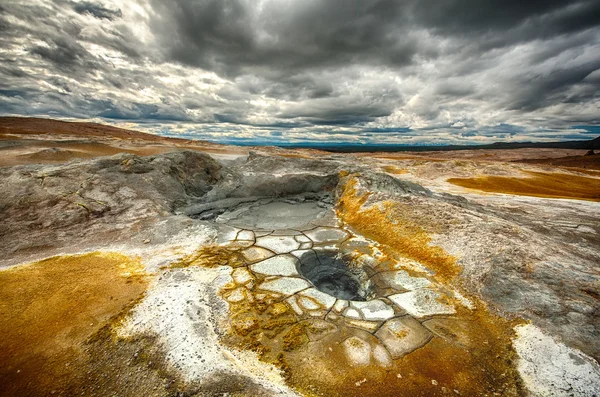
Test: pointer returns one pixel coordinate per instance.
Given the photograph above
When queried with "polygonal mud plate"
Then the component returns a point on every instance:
(285, 285)
(256, 254)
(317, 329)
(280, 265)
(422, 303)
(374, 310)
(327, 235)
(245, 235)
(450, 329)
(324, 300)
(403, 335)
(278, 244)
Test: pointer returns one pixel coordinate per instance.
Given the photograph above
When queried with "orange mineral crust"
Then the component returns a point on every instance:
(537, 184)
(50, 308)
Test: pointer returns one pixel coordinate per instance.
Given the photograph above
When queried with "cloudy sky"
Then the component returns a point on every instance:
(274, 71)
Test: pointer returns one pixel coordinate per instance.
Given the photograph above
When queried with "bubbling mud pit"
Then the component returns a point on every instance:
(332, 273)
(340, 314)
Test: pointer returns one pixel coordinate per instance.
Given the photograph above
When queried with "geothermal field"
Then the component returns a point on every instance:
(136, 265)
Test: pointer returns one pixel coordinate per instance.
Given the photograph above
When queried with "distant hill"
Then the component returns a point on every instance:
(593, 144)
(41, 126)
(591, 162)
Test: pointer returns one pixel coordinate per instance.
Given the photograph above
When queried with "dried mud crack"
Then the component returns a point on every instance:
(332, 311)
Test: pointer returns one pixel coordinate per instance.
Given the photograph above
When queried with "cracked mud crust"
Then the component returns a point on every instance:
(421, 340)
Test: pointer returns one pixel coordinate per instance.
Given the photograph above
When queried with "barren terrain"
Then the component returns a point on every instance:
(134, 264)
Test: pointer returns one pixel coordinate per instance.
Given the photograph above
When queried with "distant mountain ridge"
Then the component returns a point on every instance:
(593, 144)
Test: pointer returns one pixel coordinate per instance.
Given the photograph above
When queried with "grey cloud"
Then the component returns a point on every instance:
(500, 22)
(136, 111)
(97, 10)
(296, 87)
(454, 88)
(63, 52)
(230, 38)
(337, 112)
(542, 91)
(374, 67)
(11, 71)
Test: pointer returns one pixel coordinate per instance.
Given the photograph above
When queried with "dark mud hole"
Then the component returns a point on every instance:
(332, 273)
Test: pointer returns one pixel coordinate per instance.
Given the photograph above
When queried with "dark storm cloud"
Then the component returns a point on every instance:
(294, 87)
(11, 72)
(395, 69)
(63, 52)
(228, 35)
(461, 17)
(335, 113)
(97, 10)
(500, 22)
(137, 111)
(552, 88)
(64, 36)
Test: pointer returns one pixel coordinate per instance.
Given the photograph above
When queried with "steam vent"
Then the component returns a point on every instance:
(293, 273)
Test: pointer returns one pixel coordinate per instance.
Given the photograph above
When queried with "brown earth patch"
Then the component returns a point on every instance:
(47, 141)
(40, 126)
(538, 184)
(586, 171)
(586, 162)
(394, 170)
(50, 308)
(295, 156)
(416, 157)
